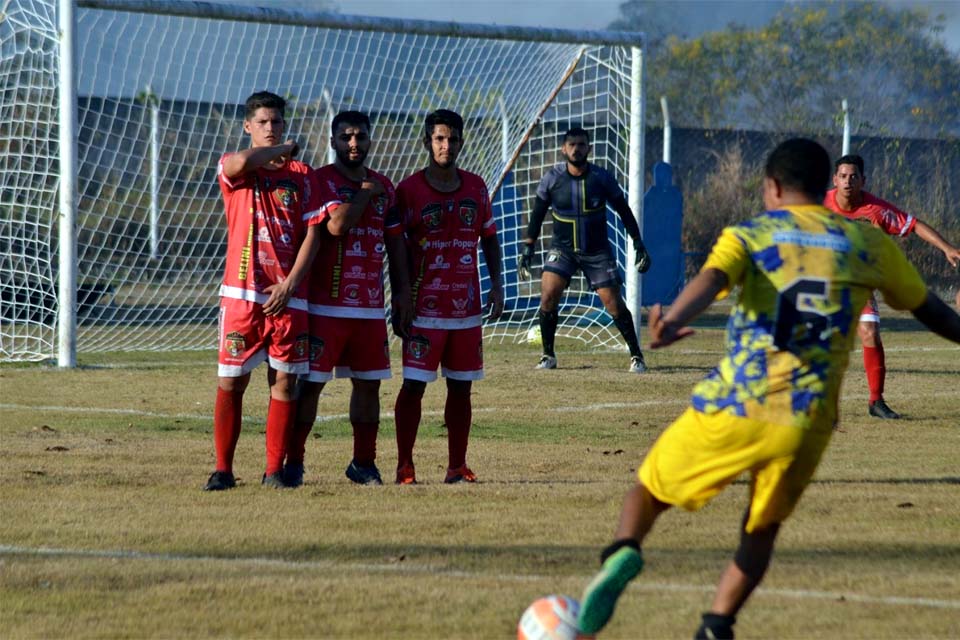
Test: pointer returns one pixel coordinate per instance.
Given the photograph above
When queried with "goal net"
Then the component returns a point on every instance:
(160, 98)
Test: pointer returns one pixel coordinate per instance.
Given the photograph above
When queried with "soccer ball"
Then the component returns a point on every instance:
(533, 336)
(550, 618)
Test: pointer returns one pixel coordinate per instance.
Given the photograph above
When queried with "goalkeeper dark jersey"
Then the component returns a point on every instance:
(579, 206)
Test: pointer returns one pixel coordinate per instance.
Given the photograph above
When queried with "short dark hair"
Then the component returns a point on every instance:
(356, 118)
(576, 132)
(850, 158)
(800, 164)
(442, 116)
(263, 99)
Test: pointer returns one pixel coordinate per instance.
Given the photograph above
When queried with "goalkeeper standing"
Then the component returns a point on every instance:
(579, 192)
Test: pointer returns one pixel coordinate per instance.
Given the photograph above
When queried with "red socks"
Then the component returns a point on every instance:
(279, 423)
(407, 415)
(874, 364)
(365, 442)
(227, 416)
(457, 414)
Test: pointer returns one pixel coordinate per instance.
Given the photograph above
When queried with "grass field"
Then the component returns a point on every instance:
(105, 532)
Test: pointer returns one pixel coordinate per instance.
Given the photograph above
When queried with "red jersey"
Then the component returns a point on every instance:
(877, 212)
(443, 230)
(347, 276)
(266, 223)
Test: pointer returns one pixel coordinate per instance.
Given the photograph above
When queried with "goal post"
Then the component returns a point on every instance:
(159, 88)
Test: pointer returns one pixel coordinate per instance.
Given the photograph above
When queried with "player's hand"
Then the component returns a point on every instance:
(663, 333)
(642, 258)
(374, 186)
(953, 256)
(495, 302)
(280, 295)
(401, 315)
(294, 148)
(524, 260)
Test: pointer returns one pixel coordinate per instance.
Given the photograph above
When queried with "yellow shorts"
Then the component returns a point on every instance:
(699, 455)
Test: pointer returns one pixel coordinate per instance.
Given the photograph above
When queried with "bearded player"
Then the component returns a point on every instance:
(263, 305)
(850, 200)
(446, 213)
(348, 333)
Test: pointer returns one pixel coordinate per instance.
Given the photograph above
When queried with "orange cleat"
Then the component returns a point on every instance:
(460, 474)
(406, 474)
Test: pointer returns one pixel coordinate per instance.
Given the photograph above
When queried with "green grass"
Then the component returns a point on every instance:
(105, 532)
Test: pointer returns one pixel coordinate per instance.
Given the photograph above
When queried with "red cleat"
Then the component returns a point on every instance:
(460, 474)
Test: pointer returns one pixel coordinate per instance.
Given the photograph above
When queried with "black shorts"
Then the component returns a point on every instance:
(599, 268)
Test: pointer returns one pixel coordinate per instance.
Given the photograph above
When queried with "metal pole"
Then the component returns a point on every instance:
(331, 152)
(504, 131)
(846, 129)
(666, 129)
(67, 294)
(154, 173)
(635, 178)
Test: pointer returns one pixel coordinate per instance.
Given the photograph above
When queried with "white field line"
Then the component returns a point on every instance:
(389, 414)
(402, 569)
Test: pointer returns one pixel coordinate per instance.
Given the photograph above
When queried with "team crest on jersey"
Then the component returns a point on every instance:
(286, 192)
(316, 348)
(380, 205)
(418, 347)
(346, 193)
(302, 346)
(431, 215)
(234, 343)
(468, 211)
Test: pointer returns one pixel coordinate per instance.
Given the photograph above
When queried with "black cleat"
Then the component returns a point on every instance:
(363, 475)
(274, 481)
(220, 481)
(293, 474)
(716, 627)
(879, 409)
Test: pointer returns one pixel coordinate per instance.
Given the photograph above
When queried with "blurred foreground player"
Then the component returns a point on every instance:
(771, 405)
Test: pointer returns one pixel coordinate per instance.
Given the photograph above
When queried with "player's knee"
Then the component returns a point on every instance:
(869, 333)
(234, 385)
(414, 387)
(755, 550)
(459, 387)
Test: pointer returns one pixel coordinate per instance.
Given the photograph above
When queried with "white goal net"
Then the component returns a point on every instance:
(159, 98)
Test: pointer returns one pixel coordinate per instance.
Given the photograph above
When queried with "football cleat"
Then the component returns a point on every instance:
(600, 597)
(637, 365)
(547, 362)
(716, 627)
(293, 474)
(274, 481)
(879, 409)
(363, 475)
(460, 474)
(406, 474)
(220, 481)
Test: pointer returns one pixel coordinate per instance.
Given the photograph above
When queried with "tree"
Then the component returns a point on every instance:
(792, 73)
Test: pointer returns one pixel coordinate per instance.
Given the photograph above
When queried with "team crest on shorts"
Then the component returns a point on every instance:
(286, 192)
(418, 347)
(234, 343)
(430, 215)
(302, 346)
(468, 211)
(316, 348)
(553, 256)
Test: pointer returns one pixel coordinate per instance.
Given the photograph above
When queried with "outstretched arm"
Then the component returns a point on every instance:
(938, 317)
(255, 157)
(665, 329)
(930, 235)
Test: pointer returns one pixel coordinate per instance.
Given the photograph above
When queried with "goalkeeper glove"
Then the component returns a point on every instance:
(523, 262)
(642, 260)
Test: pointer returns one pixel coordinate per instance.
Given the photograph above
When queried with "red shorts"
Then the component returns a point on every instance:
(355, 347)
(871, 310)
(458, 351)
(248, 337)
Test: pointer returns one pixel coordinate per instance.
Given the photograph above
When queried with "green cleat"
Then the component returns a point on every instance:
(600, 596)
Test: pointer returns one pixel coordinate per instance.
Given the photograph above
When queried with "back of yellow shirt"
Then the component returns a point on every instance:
(804, 274)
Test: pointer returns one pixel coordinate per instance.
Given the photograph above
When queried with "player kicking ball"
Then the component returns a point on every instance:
(769, 408)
